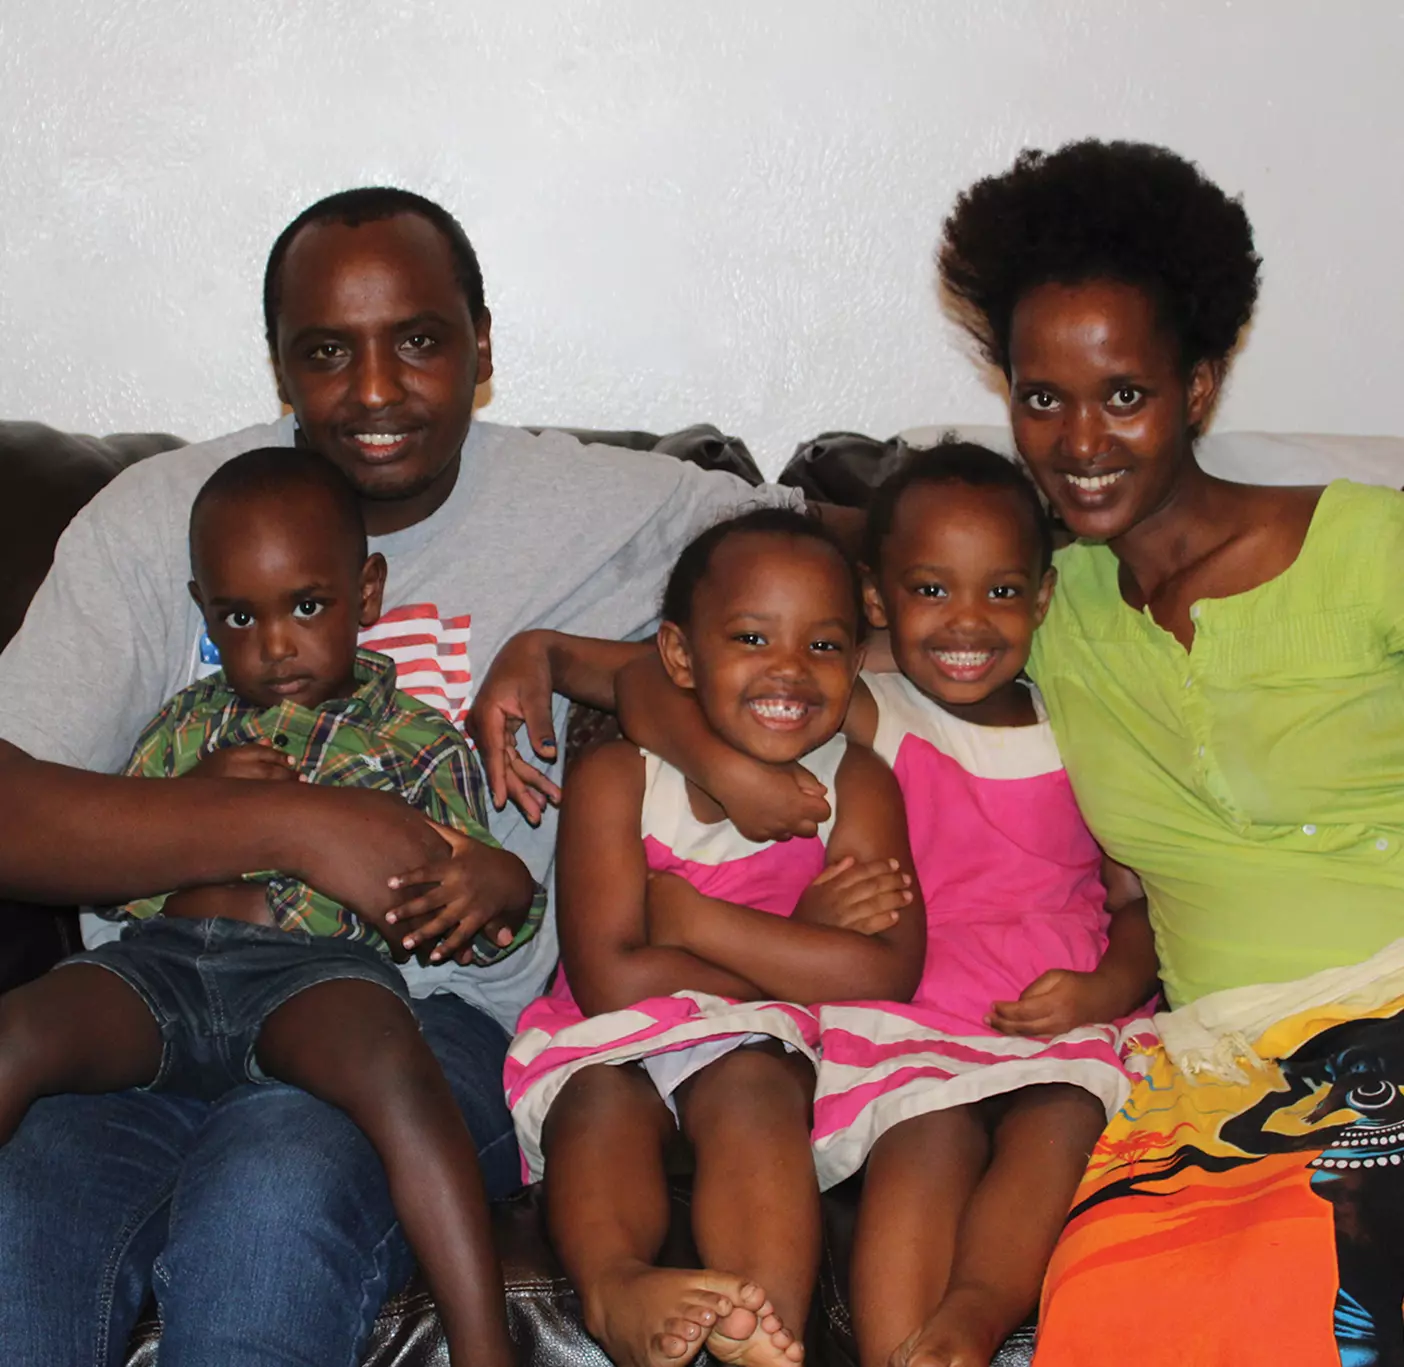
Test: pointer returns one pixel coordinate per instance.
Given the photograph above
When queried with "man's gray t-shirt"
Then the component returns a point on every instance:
(539, 531)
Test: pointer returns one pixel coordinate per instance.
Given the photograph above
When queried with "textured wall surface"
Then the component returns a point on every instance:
(685, 212)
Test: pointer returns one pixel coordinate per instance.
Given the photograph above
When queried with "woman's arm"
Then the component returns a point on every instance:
(792, 959)
(601, 876)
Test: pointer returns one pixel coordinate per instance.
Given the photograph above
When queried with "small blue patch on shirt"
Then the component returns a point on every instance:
(209, 652)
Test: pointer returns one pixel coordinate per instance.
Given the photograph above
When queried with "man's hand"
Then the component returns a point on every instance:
(766, 802)
(349, 842)
(866, 898)
(517, 692)
(479, 887)
(258, 761)
(1061, 1000)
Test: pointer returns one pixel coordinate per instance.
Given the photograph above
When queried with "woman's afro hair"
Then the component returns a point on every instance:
(1123, 211)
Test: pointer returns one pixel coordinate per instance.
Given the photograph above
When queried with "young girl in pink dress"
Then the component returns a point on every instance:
(692, 958)
(975, 1107)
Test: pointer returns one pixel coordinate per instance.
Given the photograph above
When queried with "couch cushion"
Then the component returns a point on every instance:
(47, 476)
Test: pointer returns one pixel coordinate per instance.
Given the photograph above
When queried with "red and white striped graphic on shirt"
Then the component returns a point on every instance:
(430, 655)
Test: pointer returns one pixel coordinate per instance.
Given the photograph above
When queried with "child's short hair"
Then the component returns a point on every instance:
(952, 461)
(273, 469)
(693, 563)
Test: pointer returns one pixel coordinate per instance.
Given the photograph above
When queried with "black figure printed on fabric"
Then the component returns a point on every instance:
(1359, 1169)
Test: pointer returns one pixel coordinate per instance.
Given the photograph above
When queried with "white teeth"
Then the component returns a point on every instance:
(1094, 482)
(964, 659)
(777, 709)
(379, 438)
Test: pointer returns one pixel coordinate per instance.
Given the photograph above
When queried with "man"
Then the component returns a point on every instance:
(263, 1221)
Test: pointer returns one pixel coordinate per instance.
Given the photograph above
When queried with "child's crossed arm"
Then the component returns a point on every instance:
(859, 932)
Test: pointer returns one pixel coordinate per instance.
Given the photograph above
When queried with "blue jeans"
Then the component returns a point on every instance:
(262, 1221)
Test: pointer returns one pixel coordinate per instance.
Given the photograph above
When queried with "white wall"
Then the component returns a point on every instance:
(686, 211)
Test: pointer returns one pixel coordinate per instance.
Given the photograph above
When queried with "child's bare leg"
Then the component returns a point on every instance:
(357, 1046)
(755, 1198)
(77, 1029)
(607, 1208)
(919, 1179)
(1041, 1145)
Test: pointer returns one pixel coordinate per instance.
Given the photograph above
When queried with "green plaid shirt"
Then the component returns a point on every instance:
(376, 738)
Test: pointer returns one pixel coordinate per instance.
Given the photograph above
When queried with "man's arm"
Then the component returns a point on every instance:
(517, 691)
(74, 836)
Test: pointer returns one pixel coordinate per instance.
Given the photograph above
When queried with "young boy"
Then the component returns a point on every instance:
(266, 979)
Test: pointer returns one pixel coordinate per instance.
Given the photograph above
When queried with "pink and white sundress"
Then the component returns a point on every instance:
(673, 1036)
(1012, 882)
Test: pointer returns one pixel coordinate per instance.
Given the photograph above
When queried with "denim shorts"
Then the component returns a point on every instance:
(211, 984)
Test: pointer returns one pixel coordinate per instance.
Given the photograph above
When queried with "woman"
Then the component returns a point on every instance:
(1223, 665)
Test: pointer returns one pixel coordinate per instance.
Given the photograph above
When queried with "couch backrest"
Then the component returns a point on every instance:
(45, 477)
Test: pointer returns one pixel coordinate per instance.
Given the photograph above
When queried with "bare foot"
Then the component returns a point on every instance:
(660, 1316)
(966, 1331)
(764, 1342)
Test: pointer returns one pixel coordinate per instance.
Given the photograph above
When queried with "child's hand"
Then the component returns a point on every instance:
(1058, 1001)
(478, 887)
(862, 897)
(258, 760)
(766, 802)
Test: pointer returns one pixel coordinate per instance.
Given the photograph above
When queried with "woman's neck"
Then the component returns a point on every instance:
(1196, 519)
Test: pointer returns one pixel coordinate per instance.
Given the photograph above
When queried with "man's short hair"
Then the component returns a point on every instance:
(371, 204)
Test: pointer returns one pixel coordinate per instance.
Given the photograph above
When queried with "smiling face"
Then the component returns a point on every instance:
(771, 649)
(961, 590)
(283, 593)
(1102, 411)
(379, 357)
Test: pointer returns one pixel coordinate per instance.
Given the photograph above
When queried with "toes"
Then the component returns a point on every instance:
(670, 1345)
(684, 1330)
(704, 1315)
(711, 1304)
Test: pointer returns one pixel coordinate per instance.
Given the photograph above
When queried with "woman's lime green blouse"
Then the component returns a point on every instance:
(1255, 782)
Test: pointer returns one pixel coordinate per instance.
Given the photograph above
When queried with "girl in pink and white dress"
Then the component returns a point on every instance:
(692, 958)
(975, 1106)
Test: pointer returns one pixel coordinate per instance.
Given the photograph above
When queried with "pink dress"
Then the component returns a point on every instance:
(673, 1036)
(1013, 888)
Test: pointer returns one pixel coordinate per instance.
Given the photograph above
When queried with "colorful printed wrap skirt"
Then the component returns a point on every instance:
(1249, 1212)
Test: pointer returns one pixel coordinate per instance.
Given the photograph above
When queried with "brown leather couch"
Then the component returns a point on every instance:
(45, 477)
